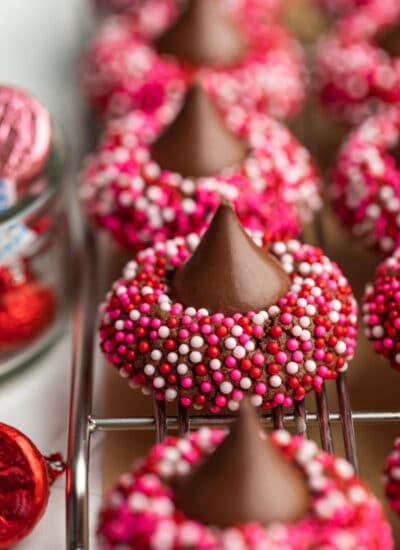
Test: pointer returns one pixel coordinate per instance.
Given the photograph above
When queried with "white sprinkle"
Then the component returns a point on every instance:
(183, 349)
(292, 367)
(196, 342)
(170, 394)
(195, 357)
(340, 347)
(245, 383)
(230, 343)
(149, 370)
(156, 354)
(163, 332)
(275, 381)
(159, 382)
(215, 364)
(226, 387)
(182, 369)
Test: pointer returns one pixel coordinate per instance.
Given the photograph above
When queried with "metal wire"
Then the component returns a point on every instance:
(77, 506)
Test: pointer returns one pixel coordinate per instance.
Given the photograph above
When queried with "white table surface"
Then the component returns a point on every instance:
(40, 43)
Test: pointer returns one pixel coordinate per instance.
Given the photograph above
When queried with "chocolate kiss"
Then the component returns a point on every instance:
(203, 35)
(198, 143)
(244, 480)
(228, 273)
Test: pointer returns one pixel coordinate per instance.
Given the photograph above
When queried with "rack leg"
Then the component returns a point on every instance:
(277, 418)
(300, 418)
(347, 421)
(161, 420)
(324, 422)
(183, 420)
(77, 506)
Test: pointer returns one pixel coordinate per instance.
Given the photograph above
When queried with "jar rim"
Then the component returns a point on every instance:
(30, 205)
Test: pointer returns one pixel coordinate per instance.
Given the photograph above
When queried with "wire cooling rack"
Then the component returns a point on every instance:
(82, 423)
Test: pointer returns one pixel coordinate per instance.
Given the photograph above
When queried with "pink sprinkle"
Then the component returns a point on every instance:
(323, 371)
(220, 400)
(206, 329)
(306, 346)
(236, 375)
(206, 387)
(186, 401)
(281, 357)
(297, 356)
(237, 395)
(230, 362)
(318, 381)
(279, 398)
(187, 382)
(292, 344)
(258, 359)
(217, 318)
(218, 376)
(387, 343)
(156, 323)
(213, 340)
(260, 388)
(286, 318)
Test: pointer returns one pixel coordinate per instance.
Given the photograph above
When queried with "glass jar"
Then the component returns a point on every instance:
(34, 254)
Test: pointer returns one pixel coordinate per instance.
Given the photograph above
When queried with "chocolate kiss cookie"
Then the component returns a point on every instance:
(203, 35)
(294, 496)
(198, 143)
(209, 320)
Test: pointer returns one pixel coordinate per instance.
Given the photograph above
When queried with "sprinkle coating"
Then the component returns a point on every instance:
(206, 360)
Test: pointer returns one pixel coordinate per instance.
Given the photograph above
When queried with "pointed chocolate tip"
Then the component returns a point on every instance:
(245, 480)
(228, 273)
(203, 35)
(198, 143)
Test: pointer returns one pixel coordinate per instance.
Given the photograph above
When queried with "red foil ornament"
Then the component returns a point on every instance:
(25, 478)
(26, 307)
